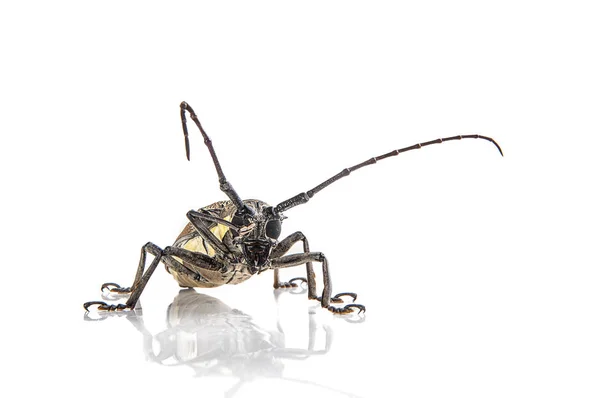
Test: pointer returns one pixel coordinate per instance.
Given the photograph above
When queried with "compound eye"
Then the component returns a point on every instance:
(273, 229)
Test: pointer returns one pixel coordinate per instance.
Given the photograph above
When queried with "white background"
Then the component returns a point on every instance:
(480, 273)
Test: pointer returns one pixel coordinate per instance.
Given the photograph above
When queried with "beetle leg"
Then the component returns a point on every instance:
(139, 282)
(195, 261)
(115, 288)
(292, 260)
(347, 309)
(195, 264)
(336, 299)
(277, 284)
(283, 247)
(195, 218)
(337, 296)
(102, 306)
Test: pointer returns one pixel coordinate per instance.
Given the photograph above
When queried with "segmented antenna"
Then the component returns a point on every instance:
(223, 183)
(304, 197)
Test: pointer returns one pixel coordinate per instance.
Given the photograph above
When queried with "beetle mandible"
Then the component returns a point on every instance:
(229, 241)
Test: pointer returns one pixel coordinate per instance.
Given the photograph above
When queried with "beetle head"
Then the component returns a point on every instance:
(257, 235)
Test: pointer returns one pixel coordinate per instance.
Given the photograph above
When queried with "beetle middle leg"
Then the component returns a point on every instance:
(292, 260)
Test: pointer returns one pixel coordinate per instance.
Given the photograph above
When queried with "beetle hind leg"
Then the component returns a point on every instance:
(336, 299)
(111, 287)
(347, 309)
(277, 284)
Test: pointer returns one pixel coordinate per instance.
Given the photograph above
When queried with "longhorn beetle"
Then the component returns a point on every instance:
(229, 241)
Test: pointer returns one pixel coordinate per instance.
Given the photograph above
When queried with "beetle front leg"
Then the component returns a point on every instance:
(292, 260)
(283, 247)
(116, 288)
(139, 282)
(195, 219)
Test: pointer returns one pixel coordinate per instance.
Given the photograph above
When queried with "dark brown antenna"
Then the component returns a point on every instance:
(305, 196)
(223, 183)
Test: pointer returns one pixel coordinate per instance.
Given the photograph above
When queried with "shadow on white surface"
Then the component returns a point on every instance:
(207, 335)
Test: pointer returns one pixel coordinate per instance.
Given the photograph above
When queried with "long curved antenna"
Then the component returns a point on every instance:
(223, 183)
(305, 196)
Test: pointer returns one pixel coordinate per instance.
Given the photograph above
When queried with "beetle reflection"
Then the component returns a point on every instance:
(202, 331)
(216, 340)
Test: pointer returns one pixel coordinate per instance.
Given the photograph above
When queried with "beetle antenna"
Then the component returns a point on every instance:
(305, 196)
(223, 183)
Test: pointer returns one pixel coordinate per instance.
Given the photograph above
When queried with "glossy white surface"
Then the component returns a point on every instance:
(480, 273)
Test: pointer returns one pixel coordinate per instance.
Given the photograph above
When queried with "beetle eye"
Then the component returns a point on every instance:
(273, 229)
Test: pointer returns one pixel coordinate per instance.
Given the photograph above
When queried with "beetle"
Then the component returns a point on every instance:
(229, 241)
